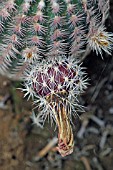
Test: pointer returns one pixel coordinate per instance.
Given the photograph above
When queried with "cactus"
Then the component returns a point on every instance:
(33, 30)
(42, 43)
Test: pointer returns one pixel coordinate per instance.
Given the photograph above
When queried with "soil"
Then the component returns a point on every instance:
(21, 141)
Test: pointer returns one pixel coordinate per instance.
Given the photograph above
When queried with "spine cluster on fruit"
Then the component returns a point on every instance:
(42, 43)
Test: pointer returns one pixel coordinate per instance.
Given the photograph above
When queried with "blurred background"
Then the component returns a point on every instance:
(28, 147)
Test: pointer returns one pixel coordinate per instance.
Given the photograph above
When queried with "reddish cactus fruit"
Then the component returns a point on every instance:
(56, 86)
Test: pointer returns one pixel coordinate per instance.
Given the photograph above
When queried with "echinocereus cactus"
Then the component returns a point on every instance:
(42, 43)
(31, 30)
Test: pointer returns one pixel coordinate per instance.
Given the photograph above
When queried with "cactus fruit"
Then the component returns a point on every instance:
(42, 43)
(55, 86)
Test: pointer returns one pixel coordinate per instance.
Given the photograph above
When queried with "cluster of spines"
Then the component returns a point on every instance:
(62, 75)
(77, 28)
(58, 33)
(37, 31)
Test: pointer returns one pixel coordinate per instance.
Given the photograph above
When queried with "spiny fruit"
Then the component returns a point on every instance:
(55, 86)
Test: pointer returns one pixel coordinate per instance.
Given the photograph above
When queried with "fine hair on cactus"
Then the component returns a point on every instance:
(43, 43)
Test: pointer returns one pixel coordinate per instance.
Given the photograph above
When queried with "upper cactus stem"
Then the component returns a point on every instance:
(31, 30)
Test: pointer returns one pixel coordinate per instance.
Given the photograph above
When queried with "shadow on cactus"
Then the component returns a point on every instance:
(43, 43)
